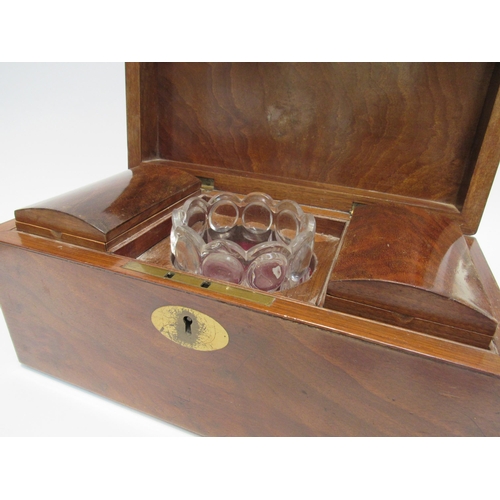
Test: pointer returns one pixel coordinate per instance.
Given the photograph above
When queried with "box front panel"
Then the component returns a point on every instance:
(92, 327)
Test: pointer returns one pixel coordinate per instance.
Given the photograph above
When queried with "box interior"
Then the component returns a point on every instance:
(341, 140)
(153, 247)
(423, 278)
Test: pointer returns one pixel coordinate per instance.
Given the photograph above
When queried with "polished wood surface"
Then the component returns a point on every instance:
(484, 160)
(289, 369)
(416, 140)
(411, 267)
(386, 335)
(142, 112)
(101, 212)
(421, 131)
(489, 284)
(338, 123)
(304, 192)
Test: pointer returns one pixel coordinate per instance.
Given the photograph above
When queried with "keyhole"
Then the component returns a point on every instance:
(187, 324)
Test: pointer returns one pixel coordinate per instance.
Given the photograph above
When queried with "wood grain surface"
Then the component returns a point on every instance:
(412, 267)
(421, 135)
(347, 124)
(105, 210)
(89, 324)
(423, 132)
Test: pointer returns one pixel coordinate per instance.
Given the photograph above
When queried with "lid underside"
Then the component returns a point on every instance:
(413, 130)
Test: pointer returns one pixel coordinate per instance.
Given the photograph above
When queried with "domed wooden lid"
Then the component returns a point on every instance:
(96, 215)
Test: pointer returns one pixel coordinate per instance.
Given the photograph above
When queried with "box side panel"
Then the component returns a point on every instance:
(92, 327)
(485, 157)
(142, 112)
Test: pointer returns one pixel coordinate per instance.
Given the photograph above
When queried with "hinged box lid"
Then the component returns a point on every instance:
(103, 214)
(328, 134)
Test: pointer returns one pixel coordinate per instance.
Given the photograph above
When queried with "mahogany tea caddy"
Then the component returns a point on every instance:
(395, 333)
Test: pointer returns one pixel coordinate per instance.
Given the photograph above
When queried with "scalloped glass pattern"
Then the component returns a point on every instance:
(252, 241)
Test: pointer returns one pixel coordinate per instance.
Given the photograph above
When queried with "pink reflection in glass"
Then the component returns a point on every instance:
(252, 240)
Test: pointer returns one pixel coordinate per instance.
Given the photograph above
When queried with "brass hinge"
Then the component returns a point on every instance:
(207, 184)
(353, 207)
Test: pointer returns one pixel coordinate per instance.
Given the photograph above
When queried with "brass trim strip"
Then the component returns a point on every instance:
(200, 282)
(145, 268)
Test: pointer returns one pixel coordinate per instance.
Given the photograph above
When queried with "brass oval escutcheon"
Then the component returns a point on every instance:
(190, 328)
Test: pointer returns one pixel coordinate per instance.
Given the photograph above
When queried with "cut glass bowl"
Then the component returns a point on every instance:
(253, 241)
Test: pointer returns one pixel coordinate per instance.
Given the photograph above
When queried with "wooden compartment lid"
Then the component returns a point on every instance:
(329, 134)
(97, 215)
(412, 268)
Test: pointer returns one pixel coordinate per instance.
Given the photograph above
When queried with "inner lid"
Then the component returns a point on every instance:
(409, 129)
(106, 209)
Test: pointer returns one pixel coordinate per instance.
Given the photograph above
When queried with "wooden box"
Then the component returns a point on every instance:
(396, 331)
